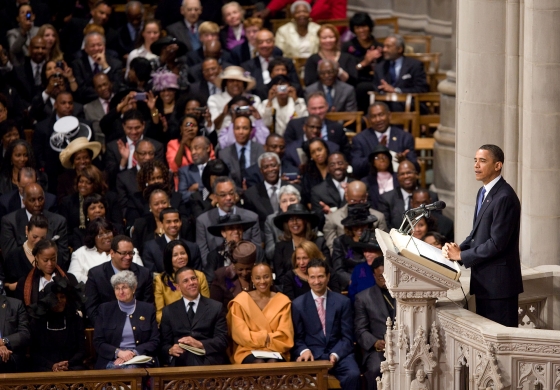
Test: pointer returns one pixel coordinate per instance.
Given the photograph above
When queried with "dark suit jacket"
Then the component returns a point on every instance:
(256, 200)
(113, 158)
(109, 325)
(72, 36)
(70, 209)
(335, 134)
(144, 231)
(308, 331)
(291, 156)
(84, 76)
(373, 189)
(254, 176)
(189, 175)
(345, 61)
(199, 90)
(180, 31)
(492, 247)
(327, 193)
(99, 289)
(195, 70)
(241, 53)
(411, 79)
(11, 202)
(391, 204)
(152, 257)
(12, 234)
(253, 66)
(14, 325)
(208, 326)
(127, 185)
(41, 110)
(344, 95)
(231, 159)
(370, 316)
(364, 143)
(22, 79)
(123, 43)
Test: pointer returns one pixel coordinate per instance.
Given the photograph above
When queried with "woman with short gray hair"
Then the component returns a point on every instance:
(117, 337)
(298, 38)
(287, 195)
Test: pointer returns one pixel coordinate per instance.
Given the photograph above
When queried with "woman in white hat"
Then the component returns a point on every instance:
(77, 156)
(233, 81)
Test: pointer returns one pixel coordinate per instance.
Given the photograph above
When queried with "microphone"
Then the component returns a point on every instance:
(425, 209)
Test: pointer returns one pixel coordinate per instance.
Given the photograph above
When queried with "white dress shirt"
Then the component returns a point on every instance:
(92, 65)
(43, 282)
(195, 306)
(338, 186)
(407, 198)
(491, 185)
(264, 69)
(315, 296)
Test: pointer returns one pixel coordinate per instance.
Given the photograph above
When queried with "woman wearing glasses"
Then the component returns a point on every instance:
(97, 240)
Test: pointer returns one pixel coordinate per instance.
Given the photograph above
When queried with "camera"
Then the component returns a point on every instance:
(28, 16)
(243, 110)
(140, 96)
(282, 89)
(201, 109)
(60, 64)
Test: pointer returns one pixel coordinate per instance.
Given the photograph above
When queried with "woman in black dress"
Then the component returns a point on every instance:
(382, 177)
(18, 155)
(315, 170)
(94, 206)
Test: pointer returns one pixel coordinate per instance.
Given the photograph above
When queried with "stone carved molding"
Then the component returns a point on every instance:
(389, 341)
(556, 370)
(72, 386)
(420, 350)
(528, 369)
(406, 278)
(384, 383)
(418, 294)
(545, 349)
(402, 341)
(264, 382)
(487, 373)
(464, 353)
(460, 331)
(434, 337)
(427, 274)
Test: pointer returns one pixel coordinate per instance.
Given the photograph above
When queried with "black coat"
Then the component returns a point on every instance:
(345, 61)
(144, 231)
(14, 325)
(283, 255)
(152, 257)
(373, 189)
(292, 286)
(335, 134)
(84, 76)
(70, 209)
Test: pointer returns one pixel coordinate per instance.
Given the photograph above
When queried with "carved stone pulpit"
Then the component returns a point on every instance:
(412, 343)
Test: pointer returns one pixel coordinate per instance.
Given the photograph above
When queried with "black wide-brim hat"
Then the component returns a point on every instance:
(296, 210)
(229, 220)
(380, 149)
(358, 215)
(75, 296)
(158, 46)
(367, 242)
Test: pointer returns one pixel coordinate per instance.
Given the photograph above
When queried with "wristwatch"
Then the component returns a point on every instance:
(5, 341)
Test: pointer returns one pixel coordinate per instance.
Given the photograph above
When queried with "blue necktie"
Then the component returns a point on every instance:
(392, 72)
(329, 97)
(480, 200)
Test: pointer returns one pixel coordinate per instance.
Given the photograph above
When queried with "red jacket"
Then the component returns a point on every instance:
(322, 9)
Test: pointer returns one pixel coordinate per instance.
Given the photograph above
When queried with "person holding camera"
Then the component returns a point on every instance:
(241, 106)
(282, 105)
(19, 38)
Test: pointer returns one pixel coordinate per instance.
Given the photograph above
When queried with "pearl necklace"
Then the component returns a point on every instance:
(28, 251)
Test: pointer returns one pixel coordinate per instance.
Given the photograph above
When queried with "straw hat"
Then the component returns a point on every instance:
(236, 73)
(78, 144)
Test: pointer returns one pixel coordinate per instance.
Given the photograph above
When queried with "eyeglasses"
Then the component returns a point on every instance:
(381, 157)
(189, 124)
(122, 288)
(105, 235)
(131, 253)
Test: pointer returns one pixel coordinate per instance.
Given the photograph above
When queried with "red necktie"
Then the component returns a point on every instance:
(383, 140)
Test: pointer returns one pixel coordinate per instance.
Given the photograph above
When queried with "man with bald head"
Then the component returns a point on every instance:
(190, 176)
(258, 66)
(13, 235)
(210, 50)
(340, 95)
(26, 78)
(355, 193)
(128, 35)
(186, 30)
(394, 203)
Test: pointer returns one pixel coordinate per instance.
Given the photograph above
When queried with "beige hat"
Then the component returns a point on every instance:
(236, 73)
(245, 252)
(78, 144)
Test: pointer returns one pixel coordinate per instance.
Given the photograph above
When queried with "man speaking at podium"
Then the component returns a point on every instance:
(492, 248)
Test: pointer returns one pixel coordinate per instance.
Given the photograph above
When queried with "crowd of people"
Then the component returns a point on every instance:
(186, 193)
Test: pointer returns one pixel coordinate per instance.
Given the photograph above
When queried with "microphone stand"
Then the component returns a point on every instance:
(408, 224)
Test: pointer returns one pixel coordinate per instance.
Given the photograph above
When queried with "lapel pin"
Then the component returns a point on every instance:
(3, 306)
(394, 138)
(142, 318)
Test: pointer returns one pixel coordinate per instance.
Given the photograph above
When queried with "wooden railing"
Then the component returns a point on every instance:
(271, 376)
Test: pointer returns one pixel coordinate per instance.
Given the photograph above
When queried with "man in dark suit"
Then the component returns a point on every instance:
(243, 153)
(205, 87)
(330, 193)
(13, 200)
(247, 50)
(190, 176)
(323, 328)
(153, 249)
(26, 78)
(92, 61)
(394, 203)
(14, 328)
(396, 73)
(258, 66)
(492, 248)
(274, 144)
(311, 129)
(98, 285)
(372, 308)
(128, 35)
(120, 153)
(12, 234)
(421, 196)
(96, 109)
(224, 189)
(330, 131)
(42, 105)
(196, 321)
(210, 49)
(186, 30)
(380, 133)
(127, 185)
(341, 96)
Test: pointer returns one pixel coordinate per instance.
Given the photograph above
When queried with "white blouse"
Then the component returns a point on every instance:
(83, 259)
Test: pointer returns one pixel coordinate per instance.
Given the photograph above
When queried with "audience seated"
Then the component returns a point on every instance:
(297, 224)
(337, 346)
(19, 38)
(9, 131)
(172, 228)
(363, 46)
(95, 110)
(206, 87)
(363, 274)
(298, 38)
(31, 287)
(435, 239)
(225, 192)
(207, 32)
(13, 233)
(356, 193)
(186, 30)
(274, 144)
(329, 195)
(287, 195)
(282, 104)
(248, 49)
(52, 42)
(320, 10)
(277, 67)
(232, 279)
(176, 255)
(118, 338)
(194, 321)
(382, 177)
(329, 49)
(443, 225)
(149, 33)
(189, 105)
(21, 259)
(210, 49)
(340, 96)
(315, 170)
(128, 34)
(295, 282)
(233, 33)
(240, 106)
(206, 200)
(382, 133)
(423, 226)
(395, 202)
(96, 249)
(75, 158)
(200, 152)
(26, 77)
(15, 335)
(94, 206)
(170, 51)
(98, 286)
(260, 319)
(164, 84)
(57, 329)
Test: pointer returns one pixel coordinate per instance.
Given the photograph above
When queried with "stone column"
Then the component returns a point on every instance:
(540, 209)
(481, 60)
